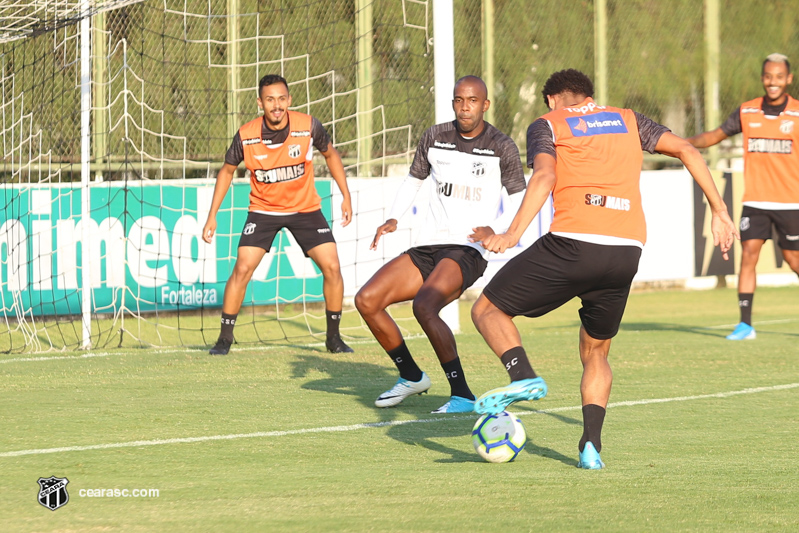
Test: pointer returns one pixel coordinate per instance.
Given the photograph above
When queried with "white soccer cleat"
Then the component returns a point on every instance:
(401, 390)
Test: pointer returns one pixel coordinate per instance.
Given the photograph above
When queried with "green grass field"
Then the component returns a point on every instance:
(704, 439)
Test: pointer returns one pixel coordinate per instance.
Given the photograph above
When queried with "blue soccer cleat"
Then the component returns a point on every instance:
(589, 458)
(495, 401)
(456, 404)
(742, 332)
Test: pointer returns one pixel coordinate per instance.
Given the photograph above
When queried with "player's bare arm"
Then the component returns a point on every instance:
(333, 161)
(707, 138)
(390, 226)
(722, 226)
(541, 184)
(223, 180)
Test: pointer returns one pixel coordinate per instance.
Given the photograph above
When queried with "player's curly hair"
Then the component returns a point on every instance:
(568, 81)
(271, 79)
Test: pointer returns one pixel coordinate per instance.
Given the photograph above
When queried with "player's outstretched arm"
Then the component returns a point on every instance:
(707, 138)
(541, 183)
(333, 161)
(722, 226)
(223, 179)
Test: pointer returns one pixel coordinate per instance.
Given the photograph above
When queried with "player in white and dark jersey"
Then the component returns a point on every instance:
(469, 161)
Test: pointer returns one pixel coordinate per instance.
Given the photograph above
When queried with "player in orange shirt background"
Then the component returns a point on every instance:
(277, 149)
(770, 125)
(589, 157)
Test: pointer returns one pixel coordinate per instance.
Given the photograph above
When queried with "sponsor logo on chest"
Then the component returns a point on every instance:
(769, 146)
(280, 174)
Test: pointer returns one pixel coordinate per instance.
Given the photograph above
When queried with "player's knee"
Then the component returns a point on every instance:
(241, 273)
(366, 301)
(425, 308)
(479, 310)
(331, 271)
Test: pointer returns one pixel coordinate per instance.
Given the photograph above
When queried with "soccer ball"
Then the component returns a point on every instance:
(498, 438)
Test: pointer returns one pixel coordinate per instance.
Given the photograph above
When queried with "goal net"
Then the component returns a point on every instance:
(170, 82)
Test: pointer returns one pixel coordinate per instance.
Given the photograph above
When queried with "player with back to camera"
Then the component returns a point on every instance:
(589, 157)
(278, 151)
(469, 161)
(770, 125)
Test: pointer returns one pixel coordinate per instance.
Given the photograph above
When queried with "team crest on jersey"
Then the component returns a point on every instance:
(786, 126)
(249, 228)
(53, 492)
(294, 151)
(478, 169)
(744, 223)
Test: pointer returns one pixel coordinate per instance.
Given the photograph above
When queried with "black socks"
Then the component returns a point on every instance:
(333, 321)
(228, 321)
(517, 364)
(745, 303)
(457, 381)
(593, 418)
(405, 364)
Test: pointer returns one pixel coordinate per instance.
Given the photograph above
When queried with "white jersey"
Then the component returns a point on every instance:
(468, 176)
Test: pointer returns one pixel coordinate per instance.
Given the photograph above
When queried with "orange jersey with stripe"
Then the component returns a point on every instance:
(771, 161)
(598, 171)
(281, 177)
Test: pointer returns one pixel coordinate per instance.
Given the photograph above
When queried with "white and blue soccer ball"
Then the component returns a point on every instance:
(499, 438)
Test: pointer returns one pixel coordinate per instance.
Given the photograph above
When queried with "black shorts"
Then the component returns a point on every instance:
(556, 269)
(756, 224)
(469, 260)
(310, 230)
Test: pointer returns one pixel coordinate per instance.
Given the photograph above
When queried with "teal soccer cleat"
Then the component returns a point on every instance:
(456, 404)
(742, 332)
(589, 458)
(495, 401)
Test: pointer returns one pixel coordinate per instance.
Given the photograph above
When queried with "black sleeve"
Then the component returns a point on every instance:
(235, 154)
(510, 166)
(321, 140)
(539, 141)
(420, 168)
(732, 126)
(649, 132)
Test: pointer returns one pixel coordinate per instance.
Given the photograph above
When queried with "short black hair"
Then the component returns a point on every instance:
(775, 58)
(568, 81)
(271, 79)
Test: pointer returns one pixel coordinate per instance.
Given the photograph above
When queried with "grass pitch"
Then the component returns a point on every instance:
(702, 436)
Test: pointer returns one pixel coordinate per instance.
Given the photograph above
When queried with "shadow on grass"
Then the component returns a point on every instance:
(365, 381)
(696, 330)
(663, 326)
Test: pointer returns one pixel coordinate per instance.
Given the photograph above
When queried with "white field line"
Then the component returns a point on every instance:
(354, 427)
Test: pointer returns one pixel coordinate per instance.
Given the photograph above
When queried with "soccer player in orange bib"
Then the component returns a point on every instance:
(770, 125)
(589, 157)
(277, 150)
